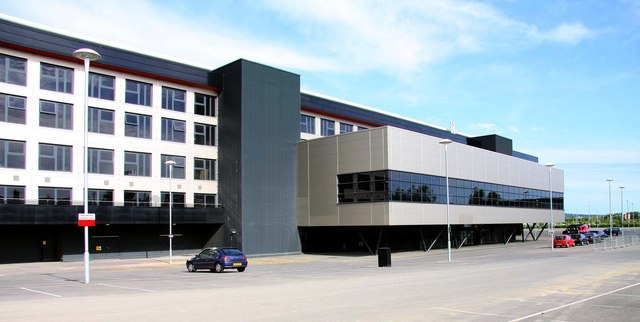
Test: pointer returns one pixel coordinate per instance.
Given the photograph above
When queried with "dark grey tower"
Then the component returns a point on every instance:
(259, 125)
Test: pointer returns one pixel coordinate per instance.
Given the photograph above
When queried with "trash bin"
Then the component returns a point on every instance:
(384, 257)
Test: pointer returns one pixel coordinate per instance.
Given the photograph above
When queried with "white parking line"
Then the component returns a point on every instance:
(576, 302)
(126, 287)
(40, 292)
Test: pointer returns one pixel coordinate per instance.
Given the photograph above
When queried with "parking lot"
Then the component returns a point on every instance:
(514, 282)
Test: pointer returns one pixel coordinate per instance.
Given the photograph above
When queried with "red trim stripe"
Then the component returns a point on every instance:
(109, 67)
(338, 116)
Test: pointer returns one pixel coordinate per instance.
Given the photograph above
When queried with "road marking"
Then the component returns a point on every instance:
(469, 312)
(126, 287)
(40, 292)
(573, 303)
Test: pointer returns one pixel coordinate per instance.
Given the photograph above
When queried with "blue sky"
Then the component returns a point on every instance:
(560, 78)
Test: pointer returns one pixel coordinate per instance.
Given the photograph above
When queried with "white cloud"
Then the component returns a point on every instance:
(514, 129)
(568, 33)
(400, 38)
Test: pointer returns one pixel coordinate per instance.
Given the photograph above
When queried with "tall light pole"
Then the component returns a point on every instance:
(589, 215)
(621, 214)
(610, 215)
(550, 165)
(87, 55)
(170, 163)
(444, 143)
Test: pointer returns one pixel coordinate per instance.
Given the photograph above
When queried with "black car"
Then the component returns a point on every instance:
(615, 231)
(217, 259)
(580, 239)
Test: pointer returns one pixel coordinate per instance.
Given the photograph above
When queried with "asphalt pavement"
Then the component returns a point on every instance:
(514, 282)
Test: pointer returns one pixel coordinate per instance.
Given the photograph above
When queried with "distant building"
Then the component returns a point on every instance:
(259, 165)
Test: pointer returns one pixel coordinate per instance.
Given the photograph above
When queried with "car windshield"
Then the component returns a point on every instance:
(232, 252)
(560, 237)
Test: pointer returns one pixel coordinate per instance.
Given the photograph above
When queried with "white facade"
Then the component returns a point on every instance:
(33, 134)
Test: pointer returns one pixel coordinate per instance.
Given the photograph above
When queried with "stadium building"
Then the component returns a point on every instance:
(259, 164)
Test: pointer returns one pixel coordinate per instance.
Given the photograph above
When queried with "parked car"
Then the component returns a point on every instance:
(580, 239)
(590, 237)
(563, 241)
(576, 229)
(600, 234)
(218, 259)
(615, 232)
(597, 238)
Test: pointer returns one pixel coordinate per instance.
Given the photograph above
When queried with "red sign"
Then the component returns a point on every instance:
(86, 220)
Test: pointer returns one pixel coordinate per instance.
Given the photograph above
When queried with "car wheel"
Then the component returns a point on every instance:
(241, 269)
(191, 267)
(217, 268)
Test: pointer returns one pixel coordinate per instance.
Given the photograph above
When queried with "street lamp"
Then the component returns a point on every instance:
(621, 215)
(170, 163)
(444, 143)
(550, 165)
(610, 215)
(87, 55)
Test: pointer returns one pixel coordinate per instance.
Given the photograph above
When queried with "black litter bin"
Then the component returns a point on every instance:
(384, 257)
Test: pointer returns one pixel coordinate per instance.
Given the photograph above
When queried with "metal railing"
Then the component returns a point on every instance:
(630, 238)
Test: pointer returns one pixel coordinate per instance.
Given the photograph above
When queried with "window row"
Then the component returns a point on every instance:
(103, 197)
(13, 70)
(54, 157)
(327, 127)
(390, 185)
(60, 115)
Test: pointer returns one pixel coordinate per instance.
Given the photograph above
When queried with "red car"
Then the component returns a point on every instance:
(563, 241)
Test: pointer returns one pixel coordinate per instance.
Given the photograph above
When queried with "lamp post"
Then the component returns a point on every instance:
(610, 215)
(444, 143)
(87, 55)
(170, 163)
(550, 165)
(589, 215)
(621, 214)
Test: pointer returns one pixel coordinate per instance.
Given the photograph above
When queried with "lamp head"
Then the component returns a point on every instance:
(86, 53)
(445, 141)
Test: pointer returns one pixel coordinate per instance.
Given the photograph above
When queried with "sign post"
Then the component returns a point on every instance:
(86, 220)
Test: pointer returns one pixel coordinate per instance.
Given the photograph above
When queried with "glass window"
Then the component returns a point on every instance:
(327, 127)
(173, 130)
(137, 198)
(204, 134)
(101, 86)
(11, 195)
(12, 109)
(56, 115)
(100, 161)
(173, 99)
(12, 154)
(361, 128)
(178, 199)
(204, 105)
(307, 124)
(137, 125)
(56, 78)
(100, 120)
(178, 168)
(346, 128)
(138, 93)
(54, 196)
(100, 197)
(204, 169)
(13, 70)
(55, 157)
(204, 200)
(137, 164)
